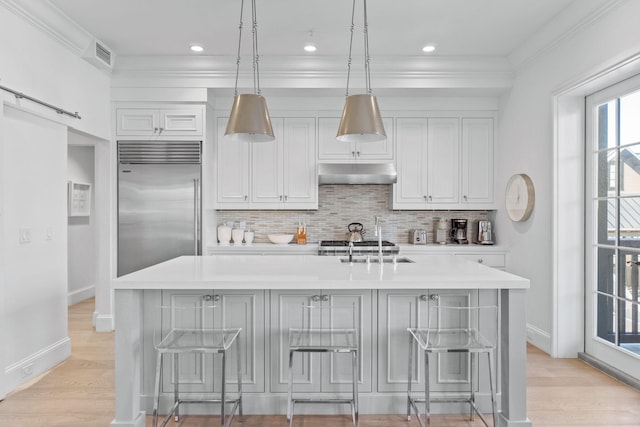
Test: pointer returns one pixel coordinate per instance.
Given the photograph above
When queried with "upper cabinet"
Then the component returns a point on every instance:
(159, 122)
(280, 174)
(444, 163)
(330, 149)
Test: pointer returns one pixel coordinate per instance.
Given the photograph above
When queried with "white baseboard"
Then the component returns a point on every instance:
(81, 294)
(539, 338)
(36, 364)
(140, 421)
(103, 322)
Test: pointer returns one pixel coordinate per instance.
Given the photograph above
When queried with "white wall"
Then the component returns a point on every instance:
(526, 136)
(81, 230)
(33, 177)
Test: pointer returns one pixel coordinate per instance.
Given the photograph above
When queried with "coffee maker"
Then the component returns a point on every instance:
(459, 231)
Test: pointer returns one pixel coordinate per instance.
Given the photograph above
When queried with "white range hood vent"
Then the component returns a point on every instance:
(357, 173)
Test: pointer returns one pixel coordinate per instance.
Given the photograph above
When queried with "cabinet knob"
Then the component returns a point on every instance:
(315, 298)
(430, 198)
(245, 198)
(480, 260)
(281, 197)
(434, 297)
(425, 198)
(207, 297)
(161, 129)
(325, 298)
(286, 197)
(465, 198)
(423, 297)
(155, 130)
(357, 154)
(216, 297)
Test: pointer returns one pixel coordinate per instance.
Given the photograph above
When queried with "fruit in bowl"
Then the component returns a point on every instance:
(280, 239)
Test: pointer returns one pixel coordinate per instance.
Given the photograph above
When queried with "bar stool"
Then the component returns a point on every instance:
(324, 328)
(452, 330)
(190, 331)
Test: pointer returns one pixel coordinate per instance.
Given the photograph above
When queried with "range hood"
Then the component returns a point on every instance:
(357, 173)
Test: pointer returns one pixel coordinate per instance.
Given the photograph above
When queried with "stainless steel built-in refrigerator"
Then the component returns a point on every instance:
(159, 206)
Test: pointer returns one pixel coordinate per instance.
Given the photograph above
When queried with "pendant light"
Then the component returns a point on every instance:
(249, 120)
(361, 121)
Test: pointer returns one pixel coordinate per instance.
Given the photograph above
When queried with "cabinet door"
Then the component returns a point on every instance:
(181, 122)
(196, 370)
(267, 168)
(397, 311)
(411, 153)
(477, 160)
(401, 309)
(306, 366)
(443, 160)
(300, 164)
(378, 150)
(329, 148)
(337, 367)
(243, 309)
(137, 122)
(232, 159)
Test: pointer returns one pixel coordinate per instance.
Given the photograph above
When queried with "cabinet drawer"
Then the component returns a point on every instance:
(491, 260)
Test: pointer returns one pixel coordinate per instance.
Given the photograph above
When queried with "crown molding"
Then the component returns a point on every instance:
(51, 21)
(566, 24)
(305, 72)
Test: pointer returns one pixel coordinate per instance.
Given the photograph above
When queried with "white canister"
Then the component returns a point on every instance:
(224, 235)
(237, 235)
(248, 237)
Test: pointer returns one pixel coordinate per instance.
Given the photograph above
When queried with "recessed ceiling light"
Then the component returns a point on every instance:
(428, 48)
(310, 47)
(196, 48)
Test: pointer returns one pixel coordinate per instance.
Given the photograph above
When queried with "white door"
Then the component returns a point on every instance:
(266, 168)
(612, 321)
(411, 155)
(443, 160)
(232, 160)
(477, 160)
(300, 173)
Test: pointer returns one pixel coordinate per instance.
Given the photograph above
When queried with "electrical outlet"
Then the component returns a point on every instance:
(27, 370)
(24, 235)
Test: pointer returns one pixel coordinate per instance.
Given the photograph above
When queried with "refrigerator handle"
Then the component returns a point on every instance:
(196, 215)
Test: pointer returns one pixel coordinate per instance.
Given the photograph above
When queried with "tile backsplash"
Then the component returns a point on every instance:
(340, 205)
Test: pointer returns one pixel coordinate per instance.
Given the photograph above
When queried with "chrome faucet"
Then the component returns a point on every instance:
(378, 232)
(350, 251)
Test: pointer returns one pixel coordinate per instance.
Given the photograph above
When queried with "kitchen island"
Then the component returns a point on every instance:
(256, 292)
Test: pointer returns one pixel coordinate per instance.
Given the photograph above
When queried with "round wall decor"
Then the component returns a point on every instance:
(520, 197)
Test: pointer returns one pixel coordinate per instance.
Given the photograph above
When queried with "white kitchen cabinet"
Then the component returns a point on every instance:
(477, 161)
(444, 163)
(159, 122)
(237, 309)
(284, 174)
(427, 160)
(318, 372)
(330, 149)
(232, 158)
(401, 309)
(280, 174)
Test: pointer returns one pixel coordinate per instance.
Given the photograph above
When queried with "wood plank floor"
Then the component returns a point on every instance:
(79, 393)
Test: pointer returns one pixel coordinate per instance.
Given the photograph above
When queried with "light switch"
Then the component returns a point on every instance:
(25, 235)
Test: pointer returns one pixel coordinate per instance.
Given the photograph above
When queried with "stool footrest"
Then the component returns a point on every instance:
(349, 401)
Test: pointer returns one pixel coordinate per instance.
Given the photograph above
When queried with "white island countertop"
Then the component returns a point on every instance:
(309, 271)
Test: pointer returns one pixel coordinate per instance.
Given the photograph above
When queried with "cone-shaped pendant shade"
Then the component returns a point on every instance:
(361, 121)
(249, 120)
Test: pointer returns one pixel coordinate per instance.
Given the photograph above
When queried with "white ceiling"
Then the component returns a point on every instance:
(400, 27)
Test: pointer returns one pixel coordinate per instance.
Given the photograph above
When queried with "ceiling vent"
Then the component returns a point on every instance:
(99, 55)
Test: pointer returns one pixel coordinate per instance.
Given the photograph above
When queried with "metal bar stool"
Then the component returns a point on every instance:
(190, 331)
(325, 328)
(452, 330)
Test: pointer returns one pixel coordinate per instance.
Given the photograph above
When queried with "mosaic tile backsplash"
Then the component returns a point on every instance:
(340, 205)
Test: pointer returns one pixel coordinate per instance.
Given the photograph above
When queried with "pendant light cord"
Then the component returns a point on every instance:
(256, 56)
(235, 90)
(367, 69)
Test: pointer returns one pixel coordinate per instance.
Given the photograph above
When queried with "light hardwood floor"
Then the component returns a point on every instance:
(79, 393)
